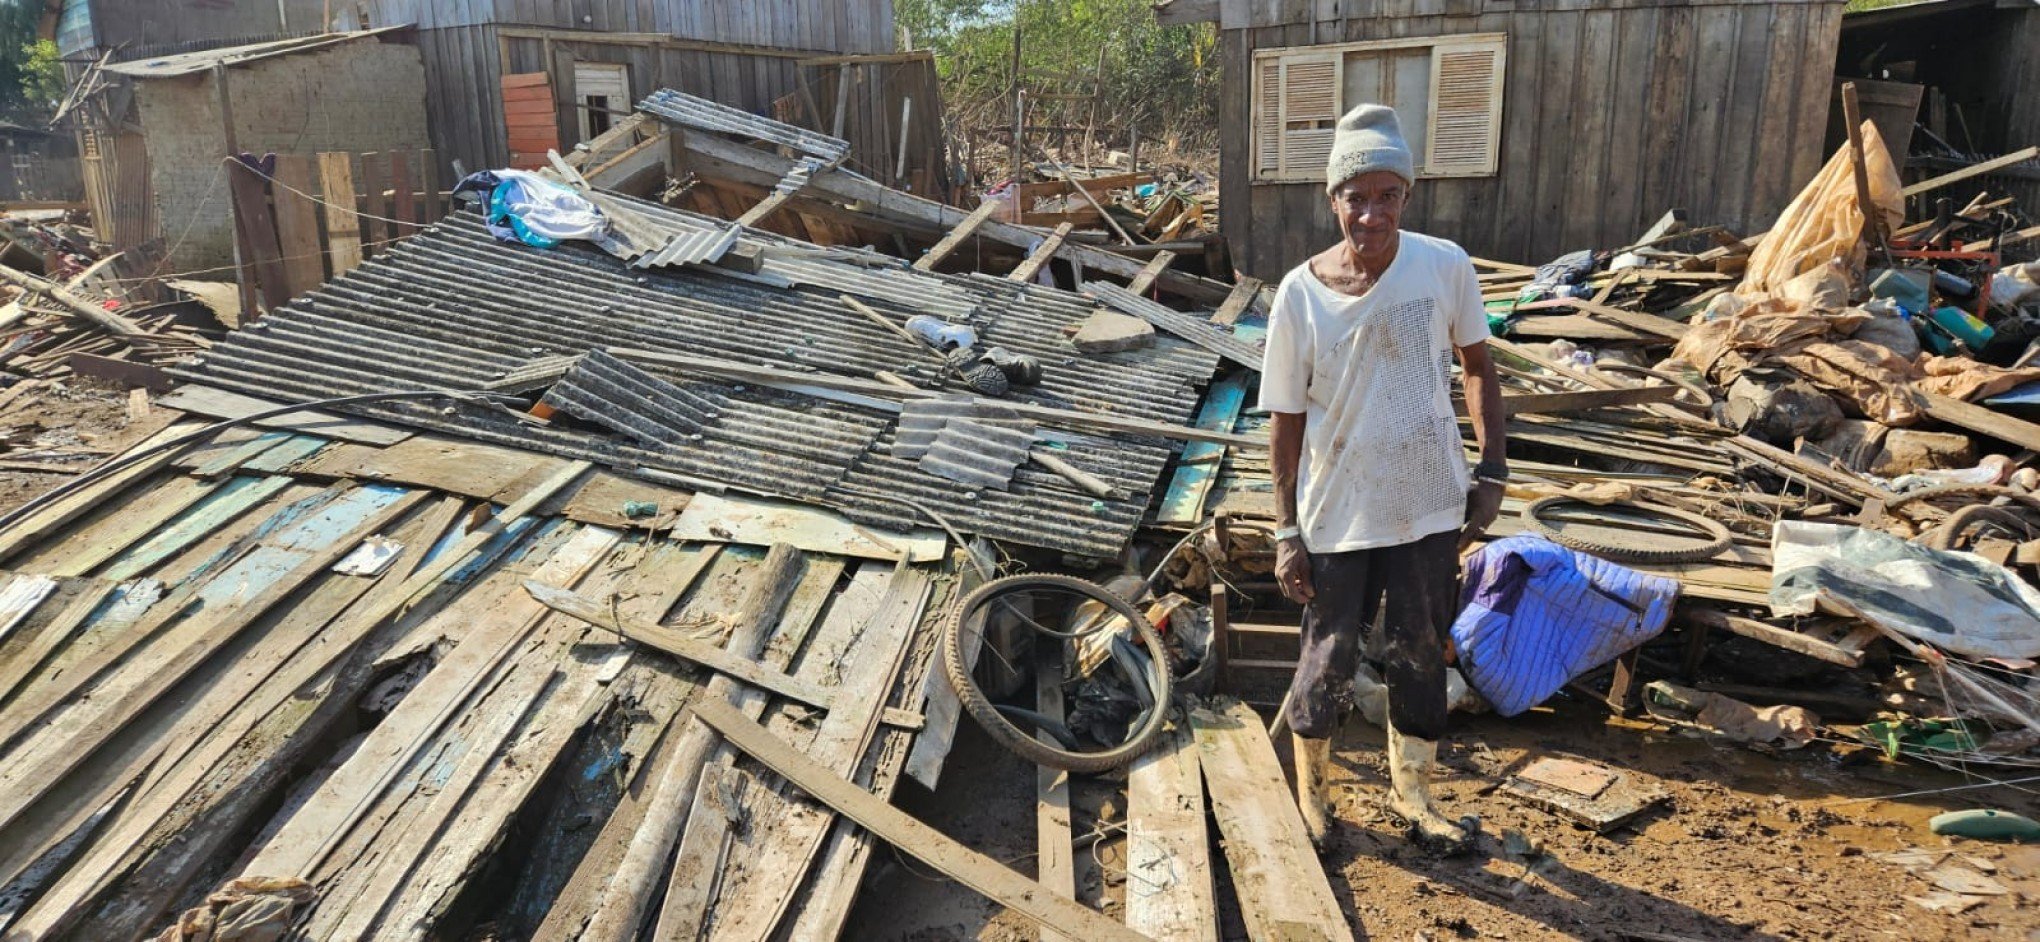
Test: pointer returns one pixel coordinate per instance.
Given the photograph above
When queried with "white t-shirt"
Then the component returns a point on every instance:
(1382, 460)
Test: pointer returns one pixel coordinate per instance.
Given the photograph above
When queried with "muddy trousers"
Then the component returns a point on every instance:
(1415, 587)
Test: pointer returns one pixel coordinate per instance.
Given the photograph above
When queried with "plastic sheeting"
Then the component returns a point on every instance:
(1824, 223)
(1538, 615)
(524, 207)
(1958, 602)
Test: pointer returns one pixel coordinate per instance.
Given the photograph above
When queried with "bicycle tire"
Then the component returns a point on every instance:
(1002, 731)
(1718, 537)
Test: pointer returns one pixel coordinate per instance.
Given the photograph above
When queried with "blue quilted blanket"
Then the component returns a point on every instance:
(1538, 615)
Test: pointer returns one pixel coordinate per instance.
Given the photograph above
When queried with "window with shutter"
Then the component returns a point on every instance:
(1446, 89)
(1466, 110)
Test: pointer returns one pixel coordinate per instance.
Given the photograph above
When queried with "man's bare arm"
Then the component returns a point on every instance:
(1285, 453)
(1484, 406)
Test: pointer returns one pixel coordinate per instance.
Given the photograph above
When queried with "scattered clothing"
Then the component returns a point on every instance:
(521, 206)
(1538, 615)
(250, 909)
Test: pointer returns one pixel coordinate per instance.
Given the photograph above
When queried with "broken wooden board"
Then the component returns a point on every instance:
(1170, 896)
(1198, 466)
(729, 518)
(1568, 775)
(1612, 805)
(1281, 886)
(968, 867)
(470, 469)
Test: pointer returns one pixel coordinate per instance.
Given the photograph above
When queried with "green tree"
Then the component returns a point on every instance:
(1154, 77)
(31, 77)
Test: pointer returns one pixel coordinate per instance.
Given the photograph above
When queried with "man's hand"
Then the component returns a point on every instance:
(1483, 504)
(1292, 570)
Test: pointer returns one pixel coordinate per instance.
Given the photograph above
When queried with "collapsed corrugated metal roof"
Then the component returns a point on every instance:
(454, 308)
(689, 111)
(192, 63)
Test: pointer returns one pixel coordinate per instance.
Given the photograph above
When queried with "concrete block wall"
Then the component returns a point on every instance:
(355, 97)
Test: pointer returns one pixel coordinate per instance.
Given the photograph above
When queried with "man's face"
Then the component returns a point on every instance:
(1369, 209)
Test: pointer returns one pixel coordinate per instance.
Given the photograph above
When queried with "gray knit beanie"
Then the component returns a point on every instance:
(1368, 138)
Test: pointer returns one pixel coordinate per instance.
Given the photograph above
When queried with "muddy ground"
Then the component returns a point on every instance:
(1748, 847)
(74, 423)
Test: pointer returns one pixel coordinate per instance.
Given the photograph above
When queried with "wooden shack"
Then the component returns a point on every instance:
(156, 129)
(41, 166)
(1952, 84)
(601, 56)
(1541, 126)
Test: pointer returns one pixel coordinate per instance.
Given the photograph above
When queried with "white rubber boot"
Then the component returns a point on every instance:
(1314, 785)
(1409, 772)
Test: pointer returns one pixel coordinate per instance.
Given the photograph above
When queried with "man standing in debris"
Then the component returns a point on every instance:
(1372, 494)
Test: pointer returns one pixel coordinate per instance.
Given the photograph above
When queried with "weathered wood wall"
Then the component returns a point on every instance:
(846, 26)
(1614, 111)
(743, 54)
(464, 69)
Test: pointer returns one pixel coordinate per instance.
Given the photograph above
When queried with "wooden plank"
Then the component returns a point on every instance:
(648, 750)
(307, 839)
(1055, 863)
(297, 224)
(764, 208)
(203, 787)
(23, 592)
(227, 461)
(40, 524)
(255, 233)
(343, 227)
(1646, 323)
(637, 875)
(1236, 303)
(709, 852)
(24, 662)
(224, 404)
(60, 747)
(372, 175)
(1982, 420)
(1145, 281)
(1282, 888)
(1171, 897)
(758, 887)
(92, 546)
(220, 505)
(1041, 254)
(956, 236)
(506, 739)
(678, 644)
(402, 200)
(433, 208)
(1789, 640)
(970, 868)
(1974, 170)
(1197, 469)
(714, 157)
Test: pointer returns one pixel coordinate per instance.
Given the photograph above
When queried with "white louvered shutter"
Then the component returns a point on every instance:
(1465, 131)
(1310, 112)
(1268, 118)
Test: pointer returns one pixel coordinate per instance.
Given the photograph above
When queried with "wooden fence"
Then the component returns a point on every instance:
(300, 219)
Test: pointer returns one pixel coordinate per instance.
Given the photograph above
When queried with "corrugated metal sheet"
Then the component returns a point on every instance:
(452, 307)
(981, 454)
(192, 63)
(1190, 327)
(690, 112)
